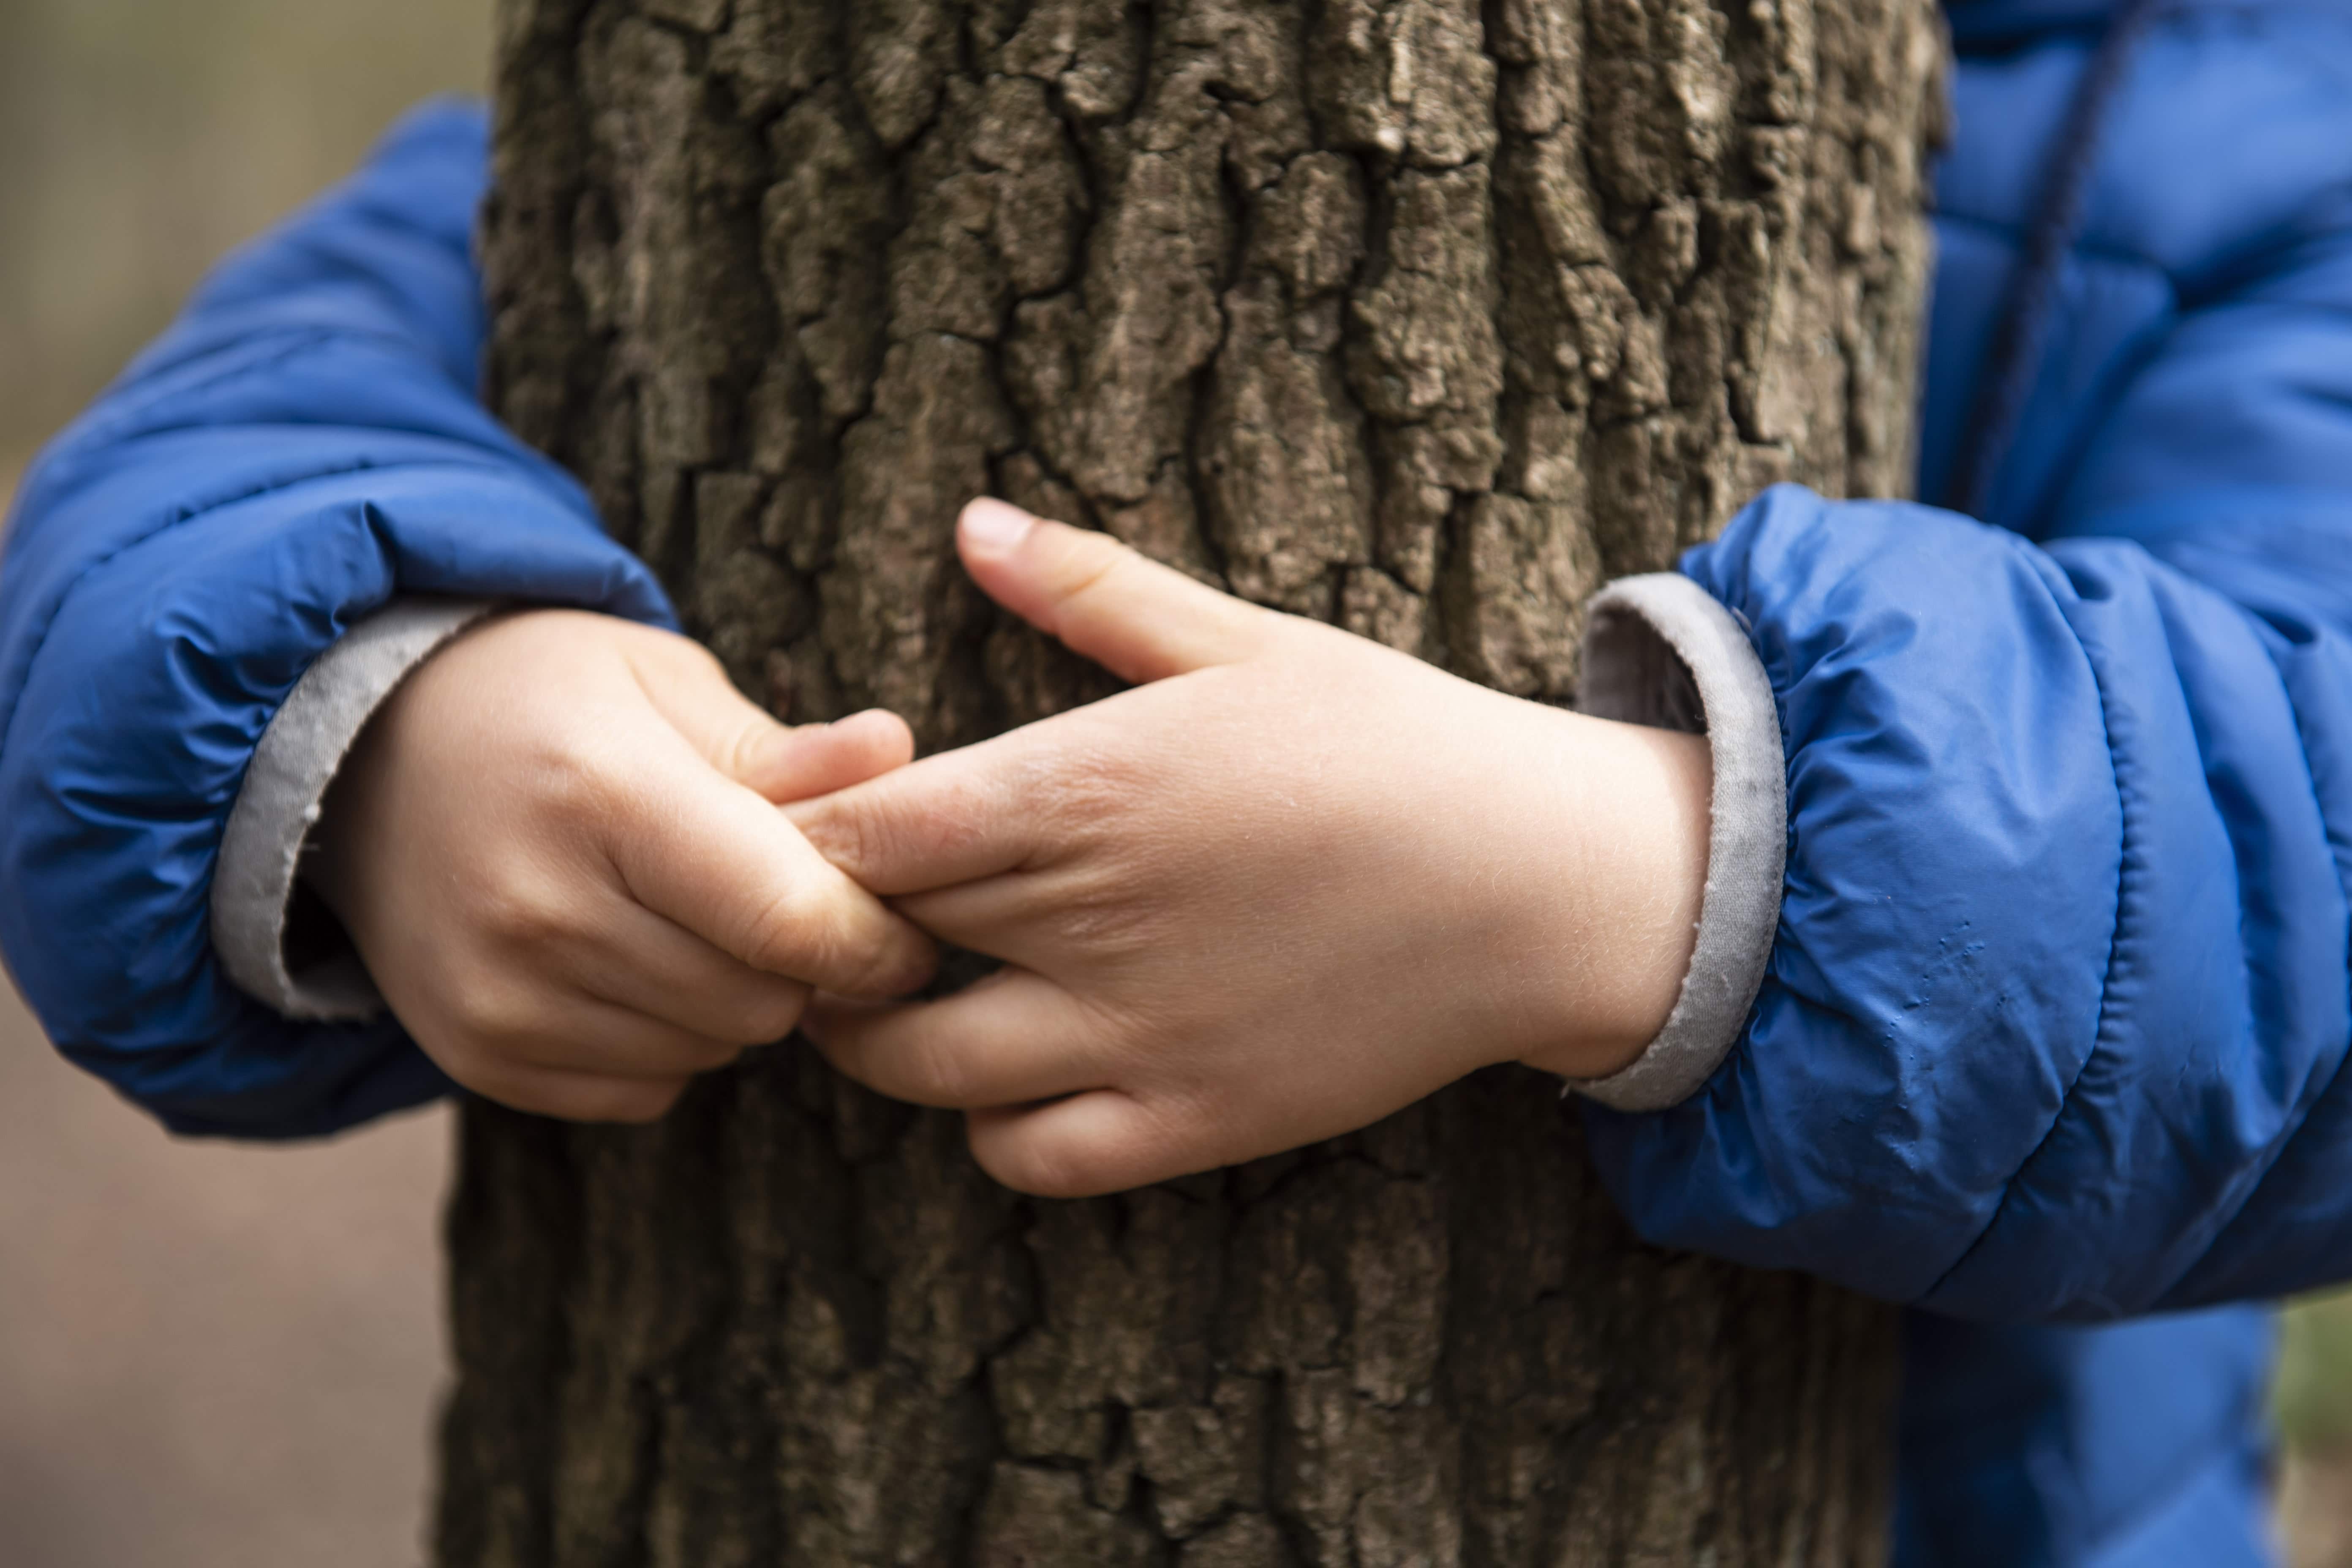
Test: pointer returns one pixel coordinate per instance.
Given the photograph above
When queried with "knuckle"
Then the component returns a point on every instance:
(1086, 775)
(518, 910)
(793, 935)
(1062, 787)
(846, 831)
(883, 965)
(1108, 923)
(739, 752)
(956, 828)
(828, 823)
(906, 965)
(494, 1013)
(879, 835)
(937, 1074)
(1093, 560)
(816, 936)
(576, 779)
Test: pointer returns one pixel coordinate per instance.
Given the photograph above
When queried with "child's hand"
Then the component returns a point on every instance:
(1295, 882)
(555, 849)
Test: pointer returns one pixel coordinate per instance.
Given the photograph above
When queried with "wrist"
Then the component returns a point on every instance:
(354, 840)
(272, 936)
(1625, 898)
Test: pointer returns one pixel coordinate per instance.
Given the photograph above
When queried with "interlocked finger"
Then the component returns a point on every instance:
(1083, 1146)
(1013, 1039)
(650, 965)
(577, 1096)
(601, 1040)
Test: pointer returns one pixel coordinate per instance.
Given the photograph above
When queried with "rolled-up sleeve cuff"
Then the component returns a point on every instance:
(1659, 650)
(279, 801)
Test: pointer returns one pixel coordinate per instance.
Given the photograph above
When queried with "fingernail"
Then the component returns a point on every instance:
(993, 527)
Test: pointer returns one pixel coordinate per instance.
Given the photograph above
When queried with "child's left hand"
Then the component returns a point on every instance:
(1291, 883)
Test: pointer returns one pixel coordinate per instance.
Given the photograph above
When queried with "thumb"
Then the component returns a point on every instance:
(690, 690)
(1135, 618)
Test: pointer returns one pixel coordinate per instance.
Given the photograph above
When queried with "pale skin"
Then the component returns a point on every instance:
(1290, 883)
(554, 848)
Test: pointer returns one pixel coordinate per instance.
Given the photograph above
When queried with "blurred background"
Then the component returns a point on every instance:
(209, 1356)
(213, 1355)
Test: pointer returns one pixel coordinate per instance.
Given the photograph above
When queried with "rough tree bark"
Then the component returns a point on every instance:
(1422, 316)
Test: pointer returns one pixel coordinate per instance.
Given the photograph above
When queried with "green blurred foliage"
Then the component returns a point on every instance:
(139, 139)
(2313, 1396)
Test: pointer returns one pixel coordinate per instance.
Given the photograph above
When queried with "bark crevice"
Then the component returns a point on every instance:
(1422, 316)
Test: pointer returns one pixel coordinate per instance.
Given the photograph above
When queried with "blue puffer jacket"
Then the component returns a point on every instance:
(2062, 984)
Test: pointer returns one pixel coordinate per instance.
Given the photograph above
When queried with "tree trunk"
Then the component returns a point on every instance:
(1422, 316)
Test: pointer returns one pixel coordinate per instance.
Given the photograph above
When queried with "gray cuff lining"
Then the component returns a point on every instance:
(297, 759)
(1659, 650)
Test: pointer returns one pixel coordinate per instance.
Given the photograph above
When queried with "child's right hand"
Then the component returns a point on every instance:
(555, 848)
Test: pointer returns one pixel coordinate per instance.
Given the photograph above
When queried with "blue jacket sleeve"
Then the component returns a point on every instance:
(305, 444)
(2056, 1017)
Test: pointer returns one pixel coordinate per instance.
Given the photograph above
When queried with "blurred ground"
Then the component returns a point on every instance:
(211, 1355)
